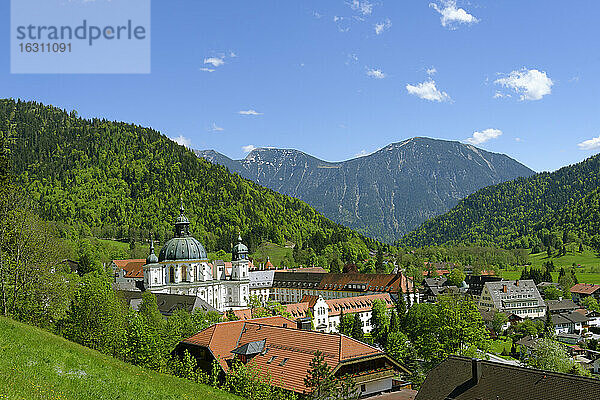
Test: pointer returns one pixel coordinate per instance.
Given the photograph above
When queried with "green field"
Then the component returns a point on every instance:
(500, 344)
(35, 364)
(276, 253)
(587, 265)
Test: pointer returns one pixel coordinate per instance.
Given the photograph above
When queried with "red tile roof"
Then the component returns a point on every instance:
(297, 346)
(585, 288)
(133, 267)
(390, 283)
(358, 303)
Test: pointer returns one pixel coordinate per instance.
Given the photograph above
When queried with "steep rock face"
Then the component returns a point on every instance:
(384, 194)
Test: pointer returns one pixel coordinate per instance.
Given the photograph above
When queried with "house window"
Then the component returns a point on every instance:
(363, 388)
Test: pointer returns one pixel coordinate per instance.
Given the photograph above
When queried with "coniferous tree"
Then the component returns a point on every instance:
(357, 329)
(319, 380)
(548, 325)
(394, 323)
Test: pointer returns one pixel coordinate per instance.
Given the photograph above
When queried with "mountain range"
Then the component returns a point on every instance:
(382, 195)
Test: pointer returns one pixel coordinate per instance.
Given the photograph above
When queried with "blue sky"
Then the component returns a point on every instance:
(340, 78)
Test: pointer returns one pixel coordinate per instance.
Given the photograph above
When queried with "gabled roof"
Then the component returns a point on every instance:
(357, 304)
(456, 378)
(287, 352)
(585, 288)
(133, 267)
(501, 289)
(564, 304)
(391, 283)
(168, 303)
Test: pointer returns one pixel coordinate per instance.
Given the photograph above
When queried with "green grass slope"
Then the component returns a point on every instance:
(35, 364)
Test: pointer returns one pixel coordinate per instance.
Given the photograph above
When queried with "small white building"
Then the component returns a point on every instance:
(261, 282)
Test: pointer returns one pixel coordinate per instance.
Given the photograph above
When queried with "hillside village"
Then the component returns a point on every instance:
(279, 320)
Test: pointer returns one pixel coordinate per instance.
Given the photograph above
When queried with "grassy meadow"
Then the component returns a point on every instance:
(35, 364)
(587, 264)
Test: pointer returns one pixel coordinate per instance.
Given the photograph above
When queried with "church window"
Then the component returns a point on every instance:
(172, 274)
(230, 300)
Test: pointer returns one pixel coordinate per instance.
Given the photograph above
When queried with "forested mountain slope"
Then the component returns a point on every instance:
(118, 180)
(385, 194)
(524, 212)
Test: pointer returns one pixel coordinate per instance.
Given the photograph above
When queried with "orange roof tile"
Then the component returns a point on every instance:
(133, 267)
(585, 288)
(297, 346)
(357, 304)
(221, 338)
(391, 283)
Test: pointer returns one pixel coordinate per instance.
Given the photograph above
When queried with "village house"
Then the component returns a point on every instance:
(568, 322)
(275, 347)
(582, 290)
(561, 306)
(520, 297)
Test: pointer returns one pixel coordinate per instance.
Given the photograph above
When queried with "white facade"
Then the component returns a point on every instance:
(196, 278)
(521, 298)
(261, 283)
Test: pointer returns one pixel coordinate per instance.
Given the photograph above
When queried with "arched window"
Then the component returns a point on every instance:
(172, 274)
(184, 273)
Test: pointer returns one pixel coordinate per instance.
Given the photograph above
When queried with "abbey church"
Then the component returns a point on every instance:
(182, 267)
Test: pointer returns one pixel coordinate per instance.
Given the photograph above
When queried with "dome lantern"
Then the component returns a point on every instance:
(151, 259)
(183, 247)
(240, 251)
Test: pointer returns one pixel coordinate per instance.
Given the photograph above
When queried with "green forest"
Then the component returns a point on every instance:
(113, 180)
(544, 213)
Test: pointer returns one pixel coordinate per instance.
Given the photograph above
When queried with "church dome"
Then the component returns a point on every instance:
(183, 246)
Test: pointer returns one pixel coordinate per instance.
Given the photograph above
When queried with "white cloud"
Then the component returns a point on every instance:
(343, 24)
(182, 140)
(214, 61)
(232, 54)
(518, 139)
(351, 59)
(215, 128)
(383, 26)
(484, 136)
(590, 144)
(500, 95)
(248, 148)
(431, 71)
(363, 7)
(249, 112)
(375, 73)
(208, 69)
(530, 84)
(451, 15)
(428, 91)
(317, 15)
